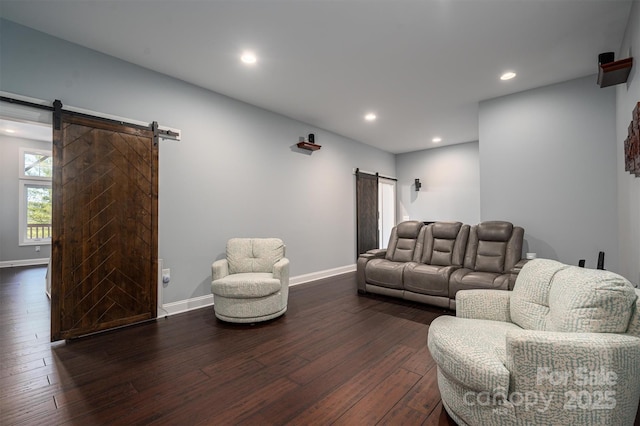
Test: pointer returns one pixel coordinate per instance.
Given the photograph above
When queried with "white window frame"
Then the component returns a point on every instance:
(24, 151)
(22, 234)
(24, 182)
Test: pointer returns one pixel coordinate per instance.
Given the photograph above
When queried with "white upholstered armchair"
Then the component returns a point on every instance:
(252, 283)
(562, 348)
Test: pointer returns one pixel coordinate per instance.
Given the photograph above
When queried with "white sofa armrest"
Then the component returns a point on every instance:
(484, 304)
(281, 271)
(219, 269)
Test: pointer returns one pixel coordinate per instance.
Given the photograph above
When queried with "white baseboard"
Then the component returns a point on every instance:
(300, 279)
(185, 305)
(24, 262)
(181, 306)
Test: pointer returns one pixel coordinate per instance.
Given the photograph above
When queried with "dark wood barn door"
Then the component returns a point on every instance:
(104, 248)
(366, 211)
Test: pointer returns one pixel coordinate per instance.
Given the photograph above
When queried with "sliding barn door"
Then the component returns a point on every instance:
(366, 211)
(104, 244)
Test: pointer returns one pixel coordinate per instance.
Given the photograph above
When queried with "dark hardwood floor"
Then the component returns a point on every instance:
(334, 358)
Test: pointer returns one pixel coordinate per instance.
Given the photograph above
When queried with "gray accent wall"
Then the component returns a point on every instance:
(548, 163)
(236, 172)
(450, 177)
(628, 95)
(9, 204)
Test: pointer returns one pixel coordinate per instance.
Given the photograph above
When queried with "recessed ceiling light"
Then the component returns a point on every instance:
(436, 140)
(370, 117)
(9, 130)
(248, 58)
(507, 75)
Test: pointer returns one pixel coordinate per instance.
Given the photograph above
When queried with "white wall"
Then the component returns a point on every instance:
(236, 171)
(627, 97)
(10, 250)
(548, 163)
(450, 178)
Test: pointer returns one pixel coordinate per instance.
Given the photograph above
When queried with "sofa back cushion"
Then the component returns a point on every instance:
(494, 246)
(402, 243)
(442, 244)
(253, 254)
(551, 296)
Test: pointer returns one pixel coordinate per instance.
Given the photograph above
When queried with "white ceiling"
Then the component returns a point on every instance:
(421, 66)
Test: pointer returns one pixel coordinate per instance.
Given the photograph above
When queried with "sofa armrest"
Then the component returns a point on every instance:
(281, 271)
(362, 264)
(219, 269)
(375, 253)
(484, 304)
(513, 272)
(584, 373)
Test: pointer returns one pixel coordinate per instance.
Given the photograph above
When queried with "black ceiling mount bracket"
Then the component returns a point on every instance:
(57, 114)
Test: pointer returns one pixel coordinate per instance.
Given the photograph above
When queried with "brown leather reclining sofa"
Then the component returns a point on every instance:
(431, 263)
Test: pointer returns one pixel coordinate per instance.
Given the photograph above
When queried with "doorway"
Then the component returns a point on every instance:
(375, 210)
(386, 210)
(25, 185)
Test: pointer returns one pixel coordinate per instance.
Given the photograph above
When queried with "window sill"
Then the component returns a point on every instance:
(46, 242)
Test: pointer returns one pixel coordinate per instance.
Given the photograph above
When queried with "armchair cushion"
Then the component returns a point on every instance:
(470, 351)
(634, 322)
(484, 304)
(530, 297)
(551, 296)
(253, 254)
(246, 286)
(590, 301)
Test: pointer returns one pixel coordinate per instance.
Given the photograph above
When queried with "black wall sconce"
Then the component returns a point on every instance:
(418, 184)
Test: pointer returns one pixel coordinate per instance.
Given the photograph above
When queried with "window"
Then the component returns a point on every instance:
(35, 196)
(35, 164)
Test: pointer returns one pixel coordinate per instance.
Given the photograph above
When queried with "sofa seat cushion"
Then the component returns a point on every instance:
(246, 286)
(471, 351)
(428, 279)
(468, 279)
(385, 273)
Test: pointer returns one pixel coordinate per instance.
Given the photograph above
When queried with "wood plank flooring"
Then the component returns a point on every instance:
(334, 358)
